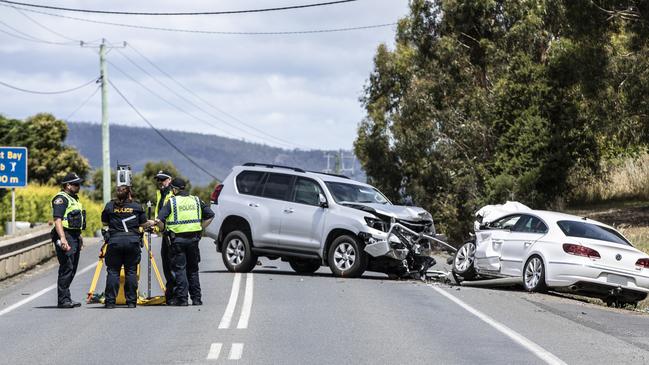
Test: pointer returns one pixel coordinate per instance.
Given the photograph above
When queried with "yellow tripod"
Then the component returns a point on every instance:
(121, 298)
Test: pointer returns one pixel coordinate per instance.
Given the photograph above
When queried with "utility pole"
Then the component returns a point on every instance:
(105, 130)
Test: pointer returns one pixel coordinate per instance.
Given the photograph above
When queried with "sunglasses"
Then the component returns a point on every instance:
(75, 184)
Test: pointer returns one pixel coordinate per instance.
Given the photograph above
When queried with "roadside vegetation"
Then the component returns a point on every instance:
(483, 101)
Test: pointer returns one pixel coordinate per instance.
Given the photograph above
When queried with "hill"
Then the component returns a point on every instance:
(136, 146)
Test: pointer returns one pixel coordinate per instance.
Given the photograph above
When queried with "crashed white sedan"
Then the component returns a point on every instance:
(554, 250)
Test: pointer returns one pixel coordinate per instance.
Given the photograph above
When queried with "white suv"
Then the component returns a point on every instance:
(311, 219)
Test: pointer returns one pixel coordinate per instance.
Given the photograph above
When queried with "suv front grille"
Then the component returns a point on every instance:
(418, 226)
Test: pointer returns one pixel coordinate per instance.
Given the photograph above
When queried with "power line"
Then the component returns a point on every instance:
(196, 31)
(162, 135)
(28, 37)
(48, 92)
(246, 11)
(285, 142)
(184, 98)
(83, 103)
(45, 27)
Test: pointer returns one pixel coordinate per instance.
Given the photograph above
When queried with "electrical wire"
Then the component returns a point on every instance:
(197, 31)
(27, 37)
(83, 103)
(45, 27)
(48, 92)
(260, 133)
(162, 135)
(117, 12)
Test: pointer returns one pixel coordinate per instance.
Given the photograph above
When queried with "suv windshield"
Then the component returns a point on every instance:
(591, 231)
(351, 193)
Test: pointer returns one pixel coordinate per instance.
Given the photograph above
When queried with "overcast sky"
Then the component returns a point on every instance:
(302, 89)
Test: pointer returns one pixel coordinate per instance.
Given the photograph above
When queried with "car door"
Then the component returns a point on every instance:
(271, 203)
(489, 243)
(302, 217)
(527, 230)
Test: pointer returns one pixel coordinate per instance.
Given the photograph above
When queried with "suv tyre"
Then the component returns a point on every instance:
(346, 258)
(237, 253)
(304, 266)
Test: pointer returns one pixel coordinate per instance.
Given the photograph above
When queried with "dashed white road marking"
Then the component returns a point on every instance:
(537, 350)
(232, 303)
(247, 304)
(215, 351)
(236, 351)
(38, 294)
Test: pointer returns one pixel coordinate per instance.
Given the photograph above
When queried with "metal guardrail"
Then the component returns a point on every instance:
(25, 251)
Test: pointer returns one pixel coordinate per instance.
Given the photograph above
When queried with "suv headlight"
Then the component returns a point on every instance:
(376, 224)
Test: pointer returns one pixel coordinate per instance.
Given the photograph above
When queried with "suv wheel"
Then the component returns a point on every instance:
(237, 254)
(346, 259)
(304, 266)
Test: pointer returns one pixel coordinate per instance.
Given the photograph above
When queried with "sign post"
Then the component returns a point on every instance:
(13, 174)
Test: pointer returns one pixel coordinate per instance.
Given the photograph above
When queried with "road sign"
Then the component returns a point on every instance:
(13, 167)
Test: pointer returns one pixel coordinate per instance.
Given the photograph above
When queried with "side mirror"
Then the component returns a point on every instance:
(323, 201)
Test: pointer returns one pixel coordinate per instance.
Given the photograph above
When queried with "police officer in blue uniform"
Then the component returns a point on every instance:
(183, 217)
(123, 218)
(69, 220)
(163, 194)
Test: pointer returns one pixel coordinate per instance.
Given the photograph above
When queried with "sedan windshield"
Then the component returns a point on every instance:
(591, 231)
(351, 193)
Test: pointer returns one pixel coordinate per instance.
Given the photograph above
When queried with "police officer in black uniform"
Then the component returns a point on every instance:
(123, 218)
(183, 217)
(69, 221)
(164, 193)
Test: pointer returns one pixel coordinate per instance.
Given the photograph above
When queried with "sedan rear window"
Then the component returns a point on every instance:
(591, 231)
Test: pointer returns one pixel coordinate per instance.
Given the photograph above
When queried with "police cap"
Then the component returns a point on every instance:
(71, 178)
(163, 175)
(178, 183)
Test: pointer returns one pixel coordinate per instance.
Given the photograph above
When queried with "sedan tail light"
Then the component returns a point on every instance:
(579, 250)
(642, 263)
(215, 194)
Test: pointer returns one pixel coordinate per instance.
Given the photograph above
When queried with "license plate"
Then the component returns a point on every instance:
(617, 279)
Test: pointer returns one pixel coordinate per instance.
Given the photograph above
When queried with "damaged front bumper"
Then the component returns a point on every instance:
(411, 251)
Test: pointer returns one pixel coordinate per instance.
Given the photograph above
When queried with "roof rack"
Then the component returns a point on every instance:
(273, 166)
(330, 174)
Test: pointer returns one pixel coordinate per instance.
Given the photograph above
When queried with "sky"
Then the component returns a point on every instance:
(290, 91)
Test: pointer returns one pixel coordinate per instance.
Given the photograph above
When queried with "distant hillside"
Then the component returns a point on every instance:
(136, 146)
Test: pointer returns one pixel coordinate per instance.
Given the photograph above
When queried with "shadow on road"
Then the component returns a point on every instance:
(273, 271)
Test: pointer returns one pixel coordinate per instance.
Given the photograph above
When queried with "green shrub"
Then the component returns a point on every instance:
(33, 204)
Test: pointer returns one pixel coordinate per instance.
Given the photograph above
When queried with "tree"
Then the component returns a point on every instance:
(487, 100)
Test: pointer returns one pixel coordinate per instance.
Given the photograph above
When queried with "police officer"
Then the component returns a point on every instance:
(163, 194)
(123, 217)
(69, 221)
(184, 217)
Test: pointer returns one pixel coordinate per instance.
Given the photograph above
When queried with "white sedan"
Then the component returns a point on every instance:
(558, 251)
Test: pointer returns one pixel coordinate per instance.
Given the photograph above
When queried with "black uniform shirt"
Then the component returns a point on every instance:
(60, 204)
(207, 213)
(127, 218)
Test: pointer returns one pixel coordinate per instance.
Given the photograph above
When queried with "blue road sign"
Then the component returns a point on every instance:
(13, 167)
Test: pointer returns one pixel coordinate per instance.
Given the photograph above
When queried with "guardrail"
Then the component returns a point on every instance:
(21, 253)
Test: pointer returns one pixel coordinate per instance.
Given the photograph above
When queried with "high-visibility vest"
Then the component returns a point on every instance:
(74, 206)
(158, 203)
(186, 214)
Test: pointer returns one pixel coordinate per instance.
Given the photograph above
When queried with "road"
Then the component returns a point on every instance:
(274, 316)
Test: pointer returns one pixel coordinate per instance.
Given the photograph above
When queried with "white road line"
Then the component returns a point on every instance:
(232, 303)
(236, 351)
(247, 304)
(215, 351)
(537, 350)
(36, 295)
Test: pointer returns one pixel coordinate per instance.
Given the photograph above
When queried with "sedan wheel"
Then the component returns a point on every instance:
(534, 275)
(463, 261)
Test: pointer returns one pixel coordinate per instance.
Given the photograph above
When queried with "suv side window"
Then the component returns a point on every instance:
(277, 186)
(248, 182)
(307, 191)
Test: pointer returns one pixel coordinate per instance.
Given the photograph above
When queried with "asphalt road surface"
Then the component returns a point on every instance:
(274, 316)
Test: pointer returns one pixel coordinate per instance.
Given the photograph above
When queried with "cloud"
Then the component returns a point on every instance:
(296, 87)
